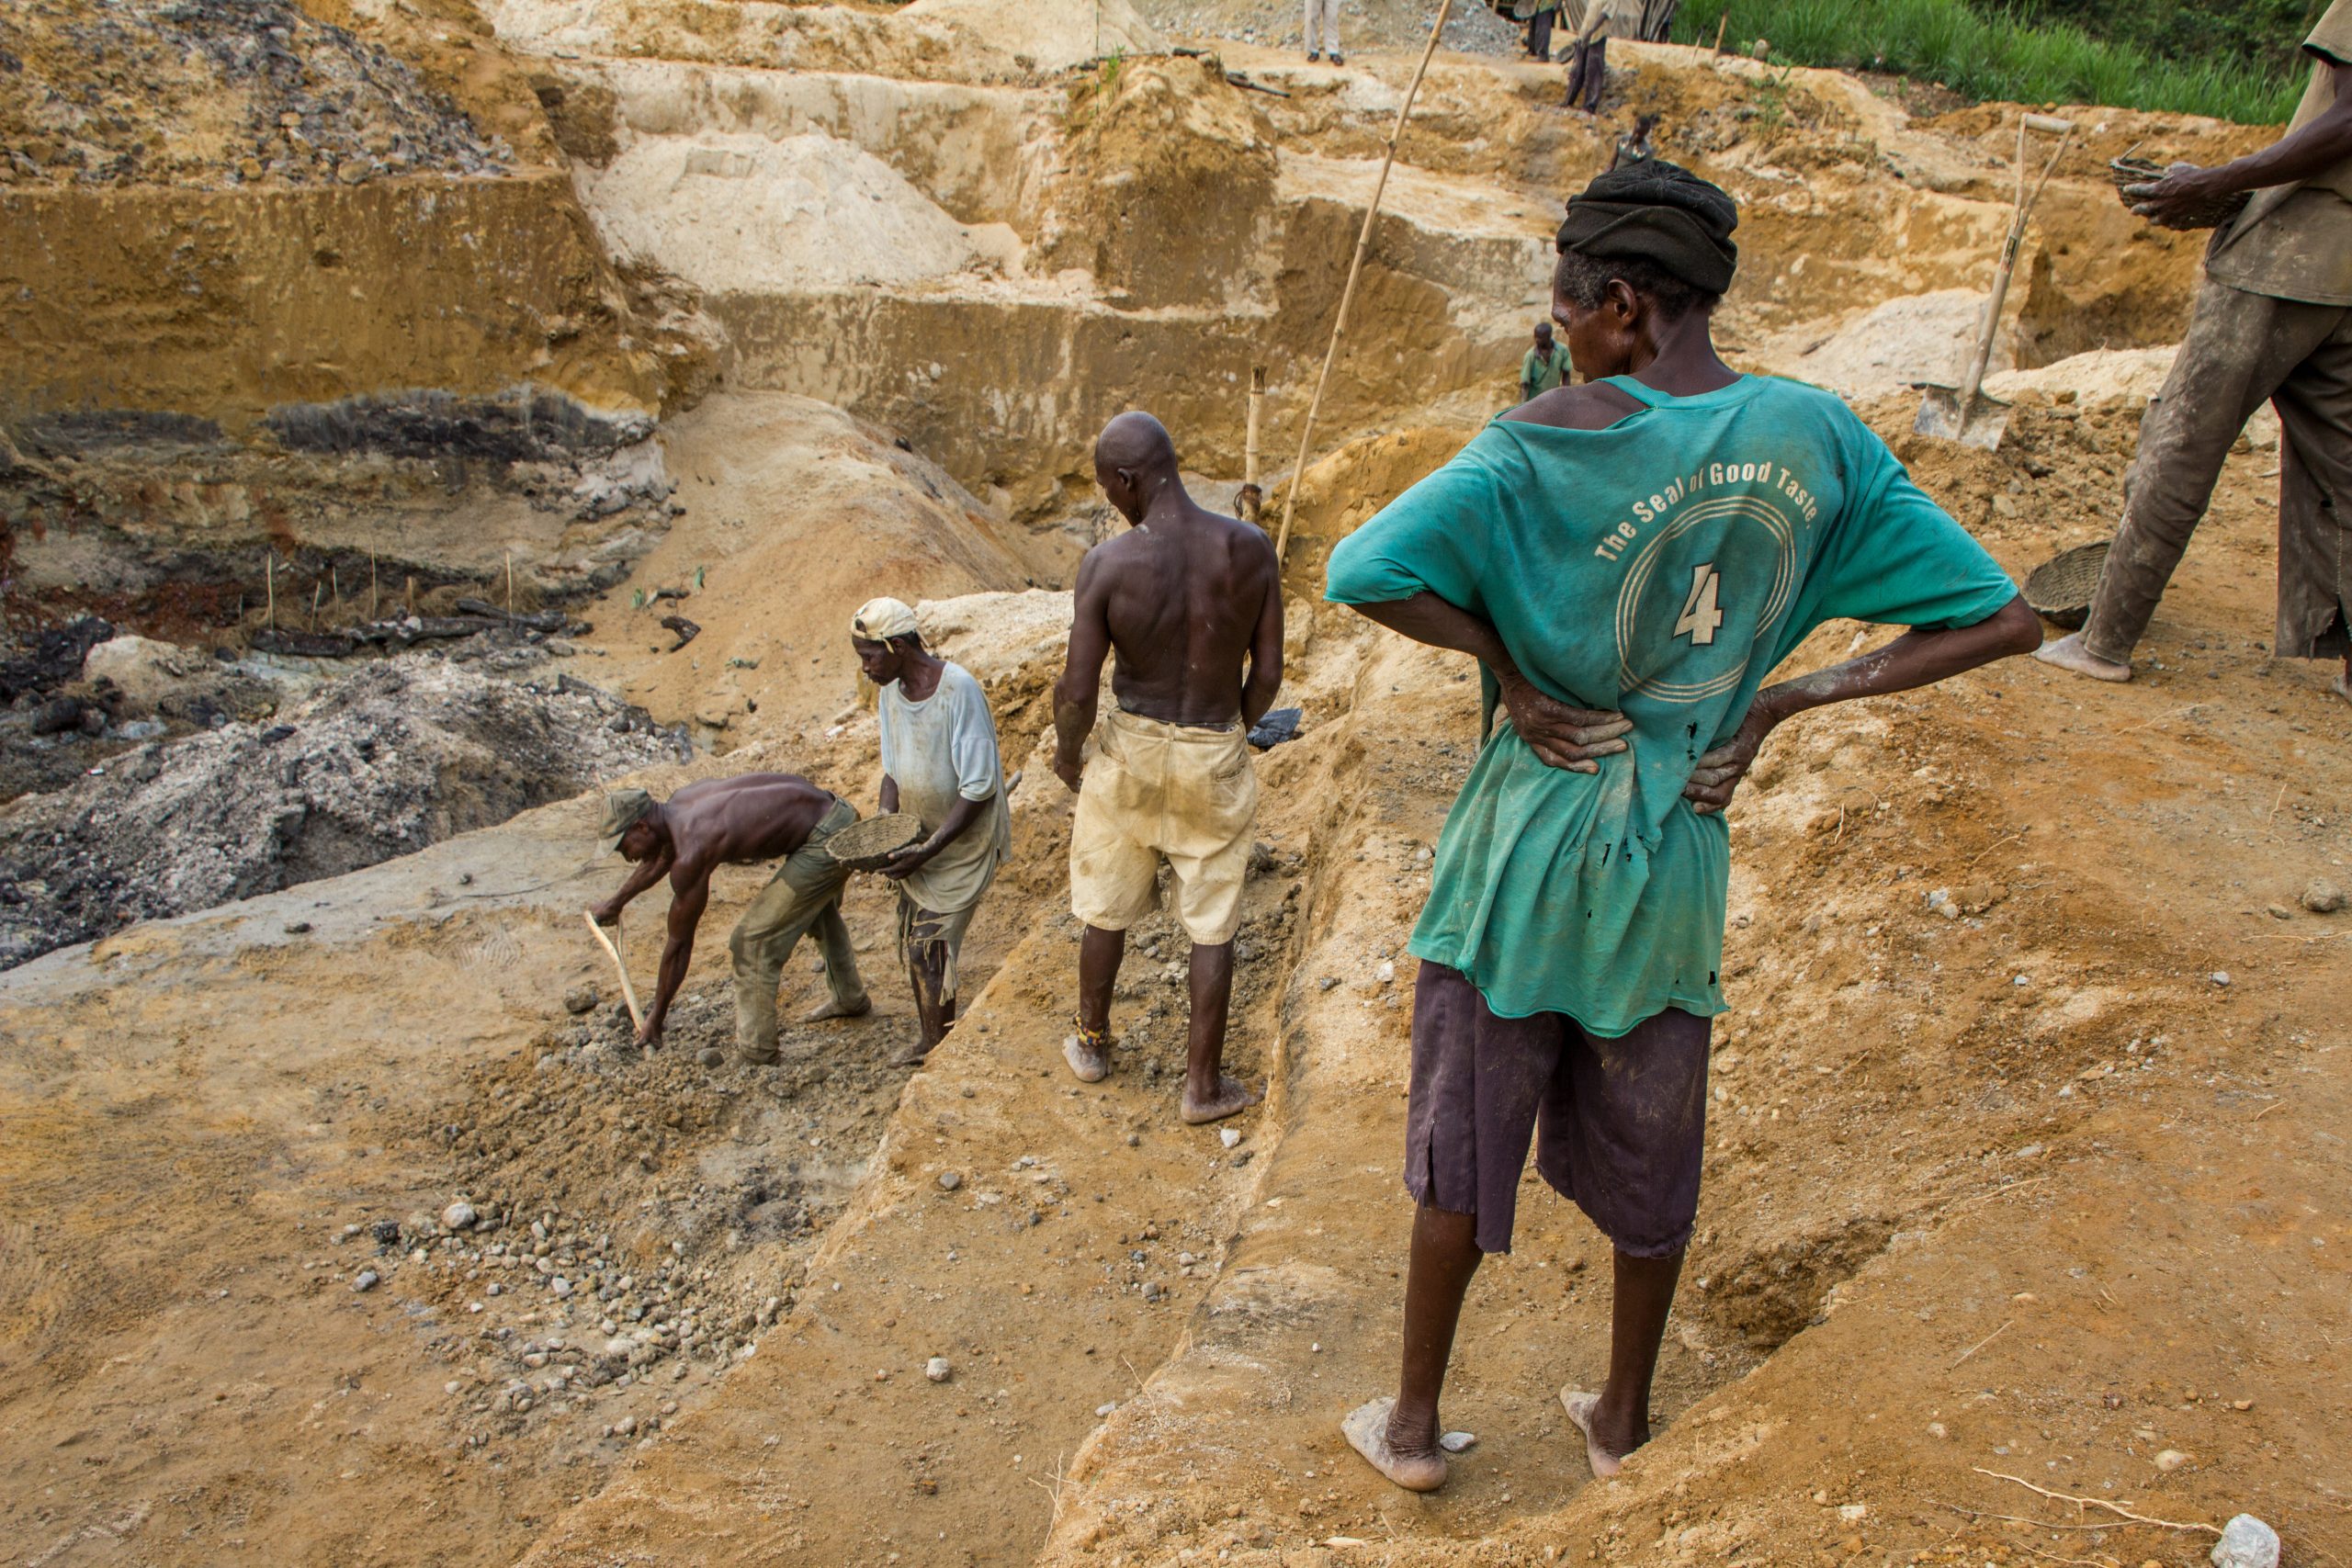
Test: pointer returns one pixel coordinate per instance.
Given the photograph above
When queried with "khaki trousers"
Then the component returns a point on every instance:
(1322, 26)
(805, 894)
(2243, 350)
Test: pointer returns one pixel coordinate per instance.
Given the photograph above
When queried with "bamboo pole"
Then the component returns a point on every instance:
(1250, 488)
(269, 585)
(1348, 293)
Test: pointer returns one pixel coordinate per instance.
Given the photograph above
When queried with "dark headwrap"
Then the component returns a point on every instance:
(1662, 213)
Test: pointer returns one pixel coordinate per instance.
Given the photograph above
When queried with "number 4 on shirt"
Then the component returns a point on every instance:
(1700, 614)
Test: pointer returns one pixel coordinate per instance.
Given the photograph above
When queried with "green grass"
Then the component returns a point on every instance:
(1992, 56)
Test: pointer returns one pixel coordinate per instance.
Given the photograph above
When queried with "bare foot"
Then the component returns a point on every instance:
(1579, 1405)
(912, 1057)
(1366, 1429)
(1086, 1059)
(1232, 1095)
(2068, 654)
(838, 1009)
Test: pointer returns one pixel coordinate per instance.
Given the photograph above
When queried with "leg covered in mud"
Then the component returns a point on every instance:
(2241, 349)
(929, 941)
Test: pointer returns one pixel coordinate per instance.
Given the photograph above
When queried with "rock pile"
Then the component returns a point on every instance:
(381, 763)
(253, 90)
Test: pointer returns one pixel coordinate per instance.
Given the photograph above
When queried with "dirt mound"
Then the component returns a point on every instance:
(382, 763)
(1168, 171)
(253, 91)
(730, 213)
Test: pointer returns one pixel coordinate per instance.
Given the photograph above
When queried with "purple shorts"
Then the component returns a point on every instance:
(1618, 1125)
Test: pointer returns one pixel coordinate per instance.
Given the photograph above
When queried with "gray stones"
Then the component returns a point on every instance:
(367, 1280)
(949, 1181)
(579, 999)
(459, 1216)
(2219, 977)
(1228, 1136)
(560, 1286)
(937, 1369)
(2322, 897)
(2247, 1542)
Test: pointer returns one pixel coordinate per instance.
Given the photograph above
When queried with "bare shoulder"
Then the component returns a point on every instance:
(1247, 542)
(1594, 405)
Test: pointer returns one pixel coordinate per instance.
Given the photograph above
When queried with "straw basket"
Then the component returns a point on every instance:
(868, 845)
(2059, 589)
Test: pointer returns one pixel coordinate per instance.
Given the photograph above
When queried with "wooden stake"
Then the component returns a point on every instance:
(412, 595)
(1721, 23)
(318, 591)
(1250, 443)
(1348, 293)
(269, 585)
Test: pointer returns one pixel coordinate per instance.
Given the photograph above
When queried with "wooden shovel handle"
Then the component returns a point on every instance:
(628, 992)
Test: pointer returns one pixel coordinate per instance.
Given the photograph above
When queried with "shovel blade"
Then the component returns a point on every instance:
(1978, 422)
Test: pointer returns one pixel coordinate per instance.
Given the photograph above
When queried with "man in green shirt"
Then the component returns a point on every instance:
(1627, 560)
(1543, 366)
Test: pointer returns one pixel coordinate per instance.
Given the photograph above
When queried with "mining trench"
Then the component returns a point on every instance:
(744, 314)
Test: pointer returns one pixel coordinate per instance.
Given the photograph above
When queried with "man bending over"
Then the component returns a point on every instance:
(1192, 604)
(740, 821)
(1626, 559)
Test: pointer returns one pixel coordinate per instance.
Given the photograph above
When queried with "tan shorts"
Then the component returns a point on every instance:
(1156, 792)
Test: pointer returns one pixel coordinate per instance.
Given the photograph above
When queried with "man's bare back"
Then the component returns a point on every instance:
(758, 817)
(1182, 598)
(1191, 601)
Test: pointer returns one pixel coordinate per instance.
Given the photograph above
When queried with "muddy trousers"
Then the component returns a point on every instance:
(1322, 26)
(1539, 34)
(803, 896)
(1587, 71)
(2242, 350)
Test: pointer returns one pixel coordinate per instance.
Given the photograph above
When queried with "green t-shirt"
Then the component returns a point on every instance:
(1539, 377)
(1718, 531)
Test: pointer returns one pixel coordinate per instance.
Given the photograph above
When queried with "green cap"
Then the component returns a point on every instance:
(623, 808)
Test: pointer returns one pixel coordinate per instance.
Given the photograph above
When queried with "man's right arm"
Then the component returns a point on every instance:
(1080, 691)
(1265, 677)
(2314, 149)
(1560, 735)
(689, 895)
(642, 875)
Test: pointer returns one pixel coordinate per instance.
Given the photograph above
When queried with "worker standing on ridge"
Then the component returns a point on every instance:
(2273, 321)
(1589, 62)
(1192, 605)
(1626, 559)
(939, 764)
(740, 821)
(1543, 366)
(1323, 32)
(1539, 30)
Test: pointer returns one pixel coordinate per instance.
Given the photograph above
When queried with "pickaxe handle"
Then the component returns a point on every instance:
(628, 992)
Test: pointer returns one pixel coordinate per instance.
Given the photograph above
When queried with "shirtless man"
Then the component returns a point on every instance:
(1192, 603)
(740, 821)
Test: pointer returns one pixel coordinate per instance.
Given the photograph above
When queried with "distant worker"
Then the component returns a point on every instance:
(1588, 65)
(2273, 321)
(939, 764)
(740, 821)
(1190, 604)
(1627, 560)
(1543, 366)
(1634, 146)
(1539, 29)
(1323, 32)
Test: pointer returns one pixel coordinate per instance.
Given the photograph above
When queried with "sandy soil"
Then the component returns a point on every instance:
(2025, 1159)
